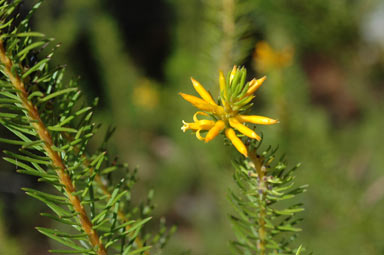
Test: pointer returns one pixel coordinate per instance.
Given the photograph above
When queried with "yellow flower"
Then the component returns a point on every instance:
(145, 95)
(235, 97)
(268, 59)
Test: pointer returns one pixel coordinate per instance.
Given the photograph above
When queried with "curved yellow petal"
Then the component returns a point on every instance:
(198, 125)
(199, 136)
(195, 119)
(239, 145)
(255, 119)
(198, 102)
(243, 129)
(185, 126)
(202, 92)
(254, 85)
(215, 130)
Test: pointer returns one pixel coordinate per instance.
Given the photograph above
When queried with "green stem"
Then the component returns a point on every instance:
(260, 170)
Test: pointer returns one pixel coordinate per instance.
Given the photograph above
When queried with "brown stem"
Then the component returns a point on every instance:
(106, 192)
(120, 214)
(56, 159)
(260, 170)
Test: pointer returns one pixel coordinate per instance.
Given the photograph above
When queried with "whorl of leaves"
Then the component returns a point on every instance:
(266, 218)
(102, 184)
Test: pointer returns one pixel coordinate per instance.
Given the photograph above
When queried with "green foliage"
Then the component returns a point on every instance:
(266, 218)
(236, 91)
(91, 195)
(331, 98)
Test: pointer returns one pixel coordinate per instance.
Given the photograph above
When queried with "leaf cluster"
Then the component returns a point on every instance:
(236, 90)
(52, 127)
(266, 209)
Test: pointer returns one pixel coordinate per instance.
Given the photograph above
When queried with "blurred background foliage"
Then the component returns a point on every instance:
(324, 62)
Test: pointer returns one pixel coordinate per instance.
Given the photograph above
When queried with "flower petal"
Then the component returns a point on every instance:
(232, 75)
(255, 119)
(223, 90)
(254, 85)
(222, 83)
(243, 129)
(199, 136)
(215, 130)
(195, 119)
(198, 125)
(185, 126)
(206, 124)
(199, 103)
(202, 92)
(239, 145)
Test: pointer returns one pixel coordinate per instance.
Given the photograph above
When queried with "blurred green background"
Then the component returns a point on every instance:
(324, 62)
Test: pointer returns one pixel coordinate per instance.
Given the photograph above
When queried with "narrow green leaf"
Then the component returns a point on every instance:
(53, 181)
(30, 47)
(288, 211)
(8, 115)
(100, 225)
(56, 208)
(98, 159)
(36, 67)
(60, 219)
(99, 217)
(26, 158)
(54, 234)
(2, 26)
(108, 170)
(19, 134)
(126, 250)
(25, 34)
(57, 93)
(140, 250)
(85, 109)
(123, 225)
(20, 164)
(57, 149)
(112, 242)
(10, 95)
(77, 141)
(65, 121)
(32, 144)
(35, 94)
(8, 101)
(38, 174)
(289, 228)
(115, 197)
(28, 153)
(138, 225)
(62, 129)
(84, 251)
(298, 252)
(46, 195)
